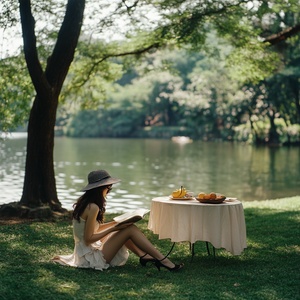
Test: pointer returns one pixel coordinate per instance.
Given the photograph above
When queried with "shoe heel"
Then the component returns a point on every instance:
(158, 264)
(144, 261)
(175, 268)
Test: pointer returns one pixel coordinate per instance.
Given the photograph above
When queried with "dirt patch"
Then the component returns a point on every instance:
(15, 221)
(13, 213)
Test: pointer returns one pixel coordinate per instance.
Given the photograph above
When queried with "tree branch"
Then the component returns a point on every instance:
(30, 51)
(63, 53)
(283, 35)
(126, 53)
(130, 7)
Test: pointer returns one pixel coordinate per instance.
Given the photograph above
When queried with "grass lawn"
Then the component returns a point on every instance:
(268, 269)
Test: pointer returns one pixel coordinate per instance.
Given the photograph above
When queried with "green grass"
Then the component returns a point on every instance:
(267, 269)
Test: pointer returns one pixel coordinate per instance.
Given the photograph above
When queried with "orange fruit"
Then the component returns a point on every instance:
(201, 195)
(213, 196)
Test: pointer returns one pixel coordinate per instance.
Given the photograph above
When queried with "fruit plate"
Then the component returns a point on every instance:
(183, 199)
(212, 201)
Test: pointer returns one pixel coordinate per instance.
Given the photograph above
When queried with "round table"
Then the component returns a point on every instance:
(223, 225)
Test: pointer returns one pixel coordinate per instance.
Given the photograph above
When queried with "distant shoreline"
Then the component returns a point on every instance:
(13, 135)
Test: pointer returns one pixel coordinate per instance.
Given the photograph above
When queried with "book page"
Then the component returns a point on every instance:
(132, 216)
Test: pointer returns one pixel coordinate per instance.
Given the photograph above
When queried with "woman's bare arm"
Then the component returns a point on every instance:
(90, 235)
(107, 225)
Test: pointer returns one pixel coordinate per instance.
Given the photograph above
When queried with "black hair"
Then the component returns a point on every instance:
(91, 196)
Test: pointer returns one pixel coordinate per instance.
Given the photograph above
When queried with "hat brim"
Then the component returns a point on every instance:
(103, 182)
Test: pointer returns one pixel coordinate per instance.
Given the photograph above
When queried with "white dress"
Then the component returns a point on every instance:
(89, 256)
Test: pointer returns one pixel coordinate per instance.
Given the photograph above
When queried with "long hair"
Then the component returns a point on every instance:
(91, 196)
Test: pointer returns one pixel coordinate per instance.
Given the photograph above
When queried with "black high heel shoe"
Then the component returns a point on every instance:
(144, 261)
(159, 264)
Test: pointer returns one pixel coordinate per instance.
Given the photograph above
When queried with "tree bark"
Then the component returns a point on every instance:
(273, 134)
(283, 35)
(39, 183)
(295, 86)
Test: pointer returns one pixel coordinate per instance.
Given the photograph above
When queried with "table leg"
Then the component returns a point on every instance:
(192, 249)
(207, 248)
(208, 252)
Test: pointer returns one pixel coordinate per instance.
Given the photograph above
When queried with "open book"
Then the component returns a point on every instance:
(132, 216)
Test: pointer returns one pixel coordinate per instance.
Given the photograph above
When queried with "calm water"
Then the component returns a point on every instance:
(150, 168)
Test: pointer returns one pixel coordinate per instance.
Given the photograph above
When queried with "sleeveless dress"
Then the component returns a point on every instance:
(90, 256)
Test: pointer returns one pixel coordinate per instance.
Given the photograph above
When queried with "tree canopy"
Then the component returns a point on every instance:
(259, 37)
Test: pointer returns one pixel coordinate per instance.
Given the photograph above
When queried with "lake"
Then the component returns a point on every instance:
(150, 168)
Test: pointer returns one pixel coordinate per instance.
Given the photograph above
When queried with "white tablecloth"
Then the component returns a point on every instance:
(223, 225)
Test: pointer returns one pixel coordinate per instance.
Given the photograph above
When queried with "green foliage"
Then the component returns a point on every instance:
(243, 133)
(182, 89)
(16, 93)
(287, 134)
(213, 74)
(119, 122)
(253, 63)
(84, 125)
(89, 75)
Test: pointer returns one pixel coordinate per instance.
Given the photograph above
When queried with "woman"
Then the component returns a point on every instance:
(100, 245)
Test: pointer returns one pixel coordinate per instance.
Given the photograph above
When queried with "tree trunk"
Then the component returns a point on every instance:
(296, 91)
(39, 184)
(273, 134)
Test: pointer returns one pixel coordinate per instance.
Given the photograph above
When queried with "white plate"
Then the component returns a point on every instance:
(183, 199)
(230, 199)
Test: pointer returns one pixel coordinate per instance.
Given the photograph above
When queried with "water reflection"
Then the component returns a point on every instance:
(150, 168)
